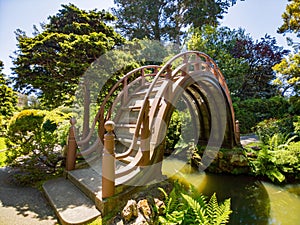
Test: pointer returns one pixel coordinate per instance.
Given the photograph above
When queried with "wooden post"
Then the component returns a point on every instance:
(169, 72)
(145, 138)
(108, 161)
(125, 91)
(86, 111)
(72, 146)
(237, 132)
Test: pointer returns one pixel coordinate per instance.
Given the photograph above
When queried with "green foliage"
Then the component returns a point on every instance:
(279, 154)
(278, 158)
(294, 108)
(2, 143)
(252, 111)
(8, 100)
(277, 162)
(297, 126)
(51, 62)
(288, 74)
(270, 127)
(2, 152)
(291, 18)
(246, 64)
(166, 20)
(35, 139)
(174, 131)
(218, 43)
(97, 221)
(190, 207)
(288, 71)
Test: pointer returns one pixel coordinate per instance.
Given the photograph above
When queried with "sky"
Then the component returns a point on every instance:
(257, 17)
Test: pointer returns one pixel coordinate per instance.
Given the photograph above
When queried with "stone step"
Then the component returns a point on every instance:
(87, 180)
(70, 204)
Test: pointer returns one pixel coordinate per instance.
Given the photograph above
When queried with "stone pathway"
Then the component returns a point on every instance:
(249, 139)
(22, 205)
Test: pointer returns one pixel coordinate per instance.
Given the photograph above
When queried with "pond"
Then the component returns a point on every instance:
(253, 202)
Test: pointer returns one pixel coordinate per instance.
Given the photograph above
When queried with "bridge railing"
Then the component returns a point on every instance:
(194, 59)
(102, 116)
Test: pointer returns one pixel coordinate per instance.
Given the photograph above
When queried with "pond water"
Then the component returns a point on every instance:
(253, 202)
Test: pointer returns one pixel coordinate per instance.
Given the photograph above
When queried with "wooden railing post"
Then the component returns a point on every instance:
(125, 90)
(237, 131)
(145, 138)
(72, 146)
(108, 161)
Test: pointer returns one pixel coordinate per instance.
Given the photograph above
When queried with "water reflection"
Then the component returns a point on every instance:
(250, 202)
(253, 202)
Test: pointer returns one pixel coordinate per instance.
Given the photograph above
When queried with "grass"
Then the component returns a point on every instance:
(2, 154)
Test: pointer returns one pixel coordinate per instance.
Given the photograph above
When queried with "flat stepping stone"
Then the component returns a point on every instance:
(69, 203)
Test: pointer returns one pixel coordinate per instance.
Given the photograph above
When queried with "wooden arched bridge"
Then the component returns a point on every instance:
(133, 128)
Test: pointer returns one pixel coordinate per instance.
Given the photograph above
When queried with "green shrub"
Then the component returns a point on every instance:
(268, 128)
(35, 139)
(294, 108)
(297, 126)
(2, 151)
(252, 111)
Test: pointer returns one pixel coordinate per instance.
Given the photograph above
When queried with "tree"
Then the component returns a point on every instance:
(8, 98)
(165, 20)
(246, 64)
(218, 43)
(288, 70)
(51, 62)
(288, 75)
(291, 21)
(260, 56)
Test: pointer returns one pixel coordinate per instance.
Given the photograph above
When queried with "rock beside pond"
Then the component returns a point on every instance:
(145, 209)
(239, 160)
(140, 213)
(232, 161)
(130, 210)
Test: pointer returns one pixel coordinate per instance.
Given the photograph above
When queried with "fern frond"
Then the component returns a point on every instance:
(176, 217)
(164, 192)
(199, 211)
(212, 207)
(200, 198)
(223, 213)
(218, 214)
(287, 141)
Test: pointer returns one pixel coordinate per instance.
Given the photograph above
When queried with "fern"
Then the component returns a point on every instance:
(173, 213)
(211, 208)
(191, 207)
(279, 141)
(218, 214)
(199, 212)
(222, 212)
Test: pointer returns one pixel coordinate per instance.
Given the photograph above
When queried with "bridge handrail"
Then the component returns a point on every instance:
(167, 68)
(100, 114)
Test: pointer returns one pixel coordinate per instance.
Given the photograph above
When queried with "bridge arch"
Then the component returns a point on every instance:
(143, 108)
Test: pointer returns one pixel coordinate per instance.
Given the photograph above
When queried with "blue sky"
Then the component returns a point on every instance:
(257, 17)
